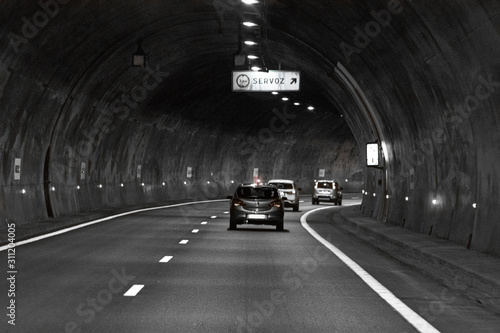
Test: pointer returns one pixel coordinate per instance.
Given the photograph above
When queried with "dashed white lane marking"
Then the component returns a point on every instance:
(166, 258)
(411, 316)
(226, 212)
(204, 222)
(62, 231)
(134, 290)
(195, 231)
(184, 241)
(213, 217)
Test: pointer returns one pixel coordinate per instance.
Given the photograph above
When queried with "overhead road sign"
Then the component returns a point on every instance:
(252, 81)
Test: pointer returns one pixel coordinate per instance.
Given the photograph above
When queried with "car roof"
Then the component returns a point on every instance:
(281, 181)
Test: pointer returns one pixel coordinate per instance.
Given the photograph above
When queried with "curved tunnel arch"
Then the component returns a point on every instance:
(430, 73)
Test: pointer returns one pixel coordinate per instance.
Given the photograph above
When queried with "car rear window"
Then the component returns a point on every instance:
(325, 185)
(257, 192)
(283, 186)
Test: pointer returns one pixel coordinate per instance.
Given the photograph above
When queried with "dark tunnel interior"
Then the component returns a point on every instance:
(82, 129)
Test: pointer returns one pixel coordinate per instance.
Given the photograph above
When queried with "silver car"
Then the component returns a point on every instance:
(256, 204)
(289, 190)
(328, 190)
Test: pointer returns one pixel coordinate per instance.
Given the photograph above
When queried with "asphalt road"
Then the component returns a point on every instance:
(254, 279)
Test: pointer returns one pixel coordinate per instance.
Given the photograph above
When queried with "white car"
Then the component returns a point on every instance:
(289, 190)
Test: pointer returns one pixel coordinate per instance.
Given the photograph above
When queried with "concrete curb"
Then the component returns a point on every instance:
(474, 274)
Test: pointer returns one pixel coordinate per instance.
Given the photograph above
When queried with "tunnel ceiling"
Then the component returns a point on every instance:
(192, 43)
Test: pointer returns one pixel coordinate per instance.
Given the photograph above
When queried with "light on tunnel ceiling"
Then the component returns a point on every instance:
(310, 108)
(249, 24)
(139, 57)
(274, 93)
(285, 99)
(250, 42)
(251, 56)
(249, 2)
(296, 103)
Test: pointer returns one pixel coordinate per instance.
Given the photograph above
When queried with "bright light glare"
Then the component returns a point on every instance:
(249, 24)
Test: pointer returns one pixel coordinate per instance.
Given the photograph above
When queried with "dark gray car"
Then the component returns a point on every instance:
(256, 204)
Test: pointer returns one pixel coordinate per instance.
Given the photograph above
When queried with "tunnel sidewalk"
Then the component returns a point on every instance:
(474, 274)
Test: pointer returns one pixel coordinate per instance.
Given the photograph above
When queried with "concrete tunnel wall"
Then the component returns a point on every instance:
(423, 81)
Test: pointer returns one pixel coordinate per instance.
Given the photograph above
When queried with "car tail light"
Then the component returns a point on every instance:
(275, 203)
(238, 202)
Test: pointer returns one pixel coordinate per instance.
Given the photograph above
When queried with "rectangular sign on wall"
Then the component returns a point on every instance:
(139, 171)
(253, 81)
(83, 171)
(17, 169)
(321, 173)
(372, 154)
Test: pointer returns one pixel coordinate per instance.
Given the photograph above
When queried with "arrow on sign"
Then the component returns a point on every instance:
(294, 80)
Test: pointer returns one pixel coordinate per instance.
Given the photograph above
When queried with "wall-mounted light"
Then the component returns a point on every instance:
(434, 201)
(139, 57)
(77, 187)
(23, 191)
(52, 188)
(474, 205)
(142, 184)
(163, 183)
(100, 185)
(407, 198)
(121, 185)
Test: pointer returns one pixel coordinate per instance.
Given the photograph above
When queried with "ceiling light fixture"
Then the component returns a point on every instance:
(249, 24)
(251, 56)
(249, 2)
(139, 57)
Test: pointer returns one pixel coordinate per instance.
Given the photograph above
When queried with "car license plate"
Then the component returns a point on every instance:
(257, 216)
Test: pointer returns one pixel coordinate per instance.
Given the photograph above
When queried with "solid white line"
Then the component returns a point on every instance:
(86, 224)
(411, 316)
(166, 258)
(134, 290)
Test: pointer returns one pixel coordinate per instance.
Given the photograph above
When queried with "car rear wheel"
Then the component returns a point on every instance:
(232, 225)
(279, 226)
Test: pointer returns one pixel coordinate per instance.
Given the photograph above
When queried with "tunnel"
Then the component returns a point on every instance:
(83, 128)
